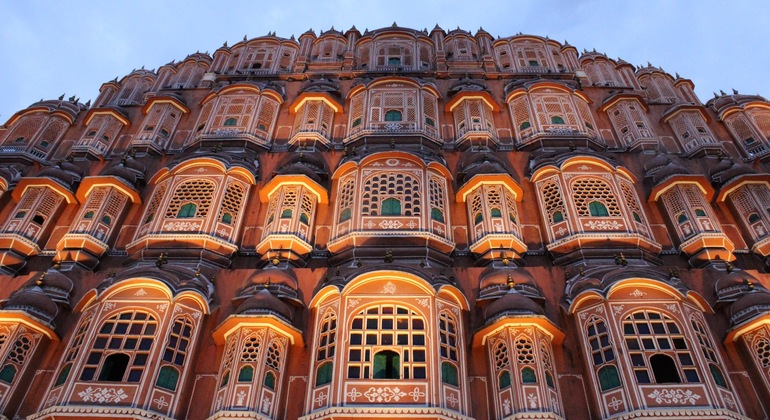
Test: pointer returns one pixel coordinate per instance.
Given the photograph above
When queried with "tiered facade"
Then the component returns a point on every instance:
(422, 224)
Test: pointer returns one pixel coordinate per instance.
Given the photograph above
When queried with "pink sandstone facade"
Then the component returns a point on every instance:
(388, 223)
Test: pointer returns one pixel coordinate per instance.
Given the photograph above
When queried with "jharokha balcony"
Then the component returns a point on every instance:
(391, 129)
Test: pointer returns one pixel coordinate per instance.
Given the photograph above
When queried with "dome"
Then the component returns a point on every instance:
(581, 285)
(128, 169)
(656, 162)
(263, 302)
(65, 173)
(734, 171)
(750, 306)
(57, 285)
(481, 164)
(514, 303)
(668, 171)
(735, 284)
(34, 301)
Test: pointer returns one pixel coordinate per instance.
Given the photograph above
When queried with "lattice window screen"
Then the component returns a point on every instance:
(196, 191)
(384, 185)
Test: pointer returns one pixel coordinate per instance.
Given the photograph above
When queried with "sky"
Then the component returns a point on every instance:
(71, 47)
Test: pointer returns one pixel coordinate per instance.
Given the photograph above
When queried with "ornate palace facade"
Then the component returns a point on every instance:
(422, 224)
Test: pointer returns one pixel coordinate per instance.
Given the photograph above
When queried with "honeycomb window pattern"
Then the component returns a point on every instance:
(250, 349)
(761, 348)
(525, 351)
(232, 202)
(402, 187)
(397, 327)
(587, 190)
(553, 200)
(196, 191)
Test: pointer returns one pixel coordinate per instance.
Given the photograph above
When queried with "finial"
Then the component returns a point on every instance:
(715, 95)
(677, 75)
(722, 92)
(267, 282)
(392, 144)
(244, 37)
(61, 98)
(337, 271)
(389, 256)
(504, 259)
(509, 282)
(225, 44)
(749, 284)
(162, 260)
(673, 272)
(56, 265)
(39, 281)
(197, 273)
(394, 24)
(735, 92)
(728, 267)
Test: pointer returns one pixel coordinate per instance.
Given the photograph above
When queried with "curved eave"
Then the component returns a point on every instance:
(748, 326)
(543, 85)
(326, 293)
(678, 109)
(391, 275)
(740, 181)
(541, 322)
(325, 97)
(91, 182)
(25, 183)
(461, 96)
(594, 295)
(687, 82)
(23, 318)
(35, 109)
(106, 111)
(176, 103)
(489, 179)
(729, 110)
(239, 171)
(235, 322)
(698, 180)
(271, 187)
(614, 99)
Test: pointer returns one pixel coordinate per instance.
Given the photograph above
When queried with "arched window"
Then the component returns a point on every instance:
(664, 369)
(130, 336)
(504, 380)
(187, 211)
(386, 365)
(602, 354)
(528, 376)
(114, 367)
(449, 374)
(345, 215)
(716, 373)
(227, 218)
(246, 374)
(391, 207)
(525, 125)
(230, 122)
(608, 377)
(558, 217)
(89, 214)
(323, 374)
(286, 214)
(167, 378)
(393, 115)
(658, 349)
(597, 209)
(478, 218)
(495, 212)
(269, 380)
(753, 218)
(63, 374)
(700, 213)
(8, 373)
(400, 329)
(437, 215)
(556, 119)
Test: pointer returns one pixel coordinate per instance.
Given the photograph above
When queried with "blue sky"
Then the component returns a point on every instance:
(72, 47)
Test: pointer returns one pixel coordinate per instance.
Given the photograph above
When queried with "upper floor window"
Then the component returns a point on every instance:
(382, 327)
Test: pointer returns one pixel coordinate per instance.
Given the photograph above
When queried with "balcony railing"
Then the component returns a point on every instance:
(92, 146)
(393, 128)
(34, 154)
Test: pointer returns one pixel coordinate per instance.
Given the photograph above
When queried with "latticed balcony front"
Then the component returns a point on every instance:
(387, 130)
(558, 136)
(234, 137)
